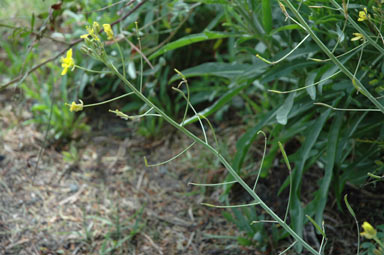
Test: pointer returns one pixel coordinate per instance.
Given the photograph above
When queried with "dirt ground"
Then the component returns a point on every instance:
(106, 201)
(105, 196)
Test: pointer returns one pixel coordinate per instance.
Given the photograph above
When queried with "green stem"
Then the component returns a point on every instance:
(90, 70)
(324, 48)
(380, 243)
(107, 101)
(122, 57)
(219, 156)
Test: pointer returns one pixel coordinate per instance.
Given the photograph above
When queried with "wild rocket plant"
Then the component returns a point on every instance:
(94, 46)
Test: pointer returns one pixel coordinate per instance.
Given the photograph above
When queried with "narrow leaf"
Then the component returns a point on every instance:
(349, 206)
(318, 228)
(282, 113)
(224, 70)
(267, 15)
(190, 39)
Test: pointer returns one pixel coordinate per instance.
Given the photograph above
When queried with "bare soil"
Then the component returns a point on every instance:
(107, 197)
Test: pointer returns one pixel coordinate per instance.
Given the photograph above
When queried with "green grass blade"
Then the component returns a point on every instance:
(352, 212)
(297, 211)
(190, 39)
(322, 194)
(219, 69)
(318, 228)
(267, 15)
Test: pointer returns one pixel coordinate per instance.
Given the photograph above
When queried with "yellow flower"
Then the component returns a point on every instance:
(369, 231)
(108, 30)
(76, 107)
(67, 62)
(96, 27)
(357, 37)
(91, 32)
(363, 15)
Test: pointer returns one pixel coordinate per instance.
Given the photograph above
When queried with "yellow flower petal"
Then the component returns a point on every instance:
(369, 231)
(93, 33)
(65, 70)
(108, 30)
(363, 15)
(76, 107)
(67, 62)
(96, 27)
(357, 37)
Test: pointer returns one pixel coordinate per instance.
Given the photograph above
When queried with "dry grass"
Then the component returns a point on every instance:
(73, 207)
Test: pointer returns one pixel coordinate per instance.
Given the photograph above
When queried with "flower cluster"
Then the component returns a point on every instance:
(92, 32)
(69, 63)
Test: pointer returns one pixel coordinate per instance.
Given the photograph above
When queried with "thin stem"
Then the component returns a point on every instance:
(341, 55)
(262, 159)
(284, 57)
(349, 110)
(308, 86)
(188, 96)
(288, 248)
(219, 156)
(213, 130)
(108, 101)
(169, 160)
(324, 48)
(290, 177)
(193, 109)
(263, 221)
(141, 56)
(122, 57)
(211, 184)
(358, 62)
(90, 70)
(230, 206)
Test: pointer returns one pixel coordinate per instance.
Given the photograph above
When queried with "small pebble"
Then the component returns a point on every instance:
(73, 187)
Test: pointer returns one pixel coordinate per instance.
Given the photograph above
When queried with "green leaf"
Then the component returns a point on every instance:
(283, 111)
(32, 22)
(40, 107)
(267, 15)
(225, 70)
(190, 39)
(318, 228)
(310, 80)
(351, 211)
(296, 210)
(333, 138)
